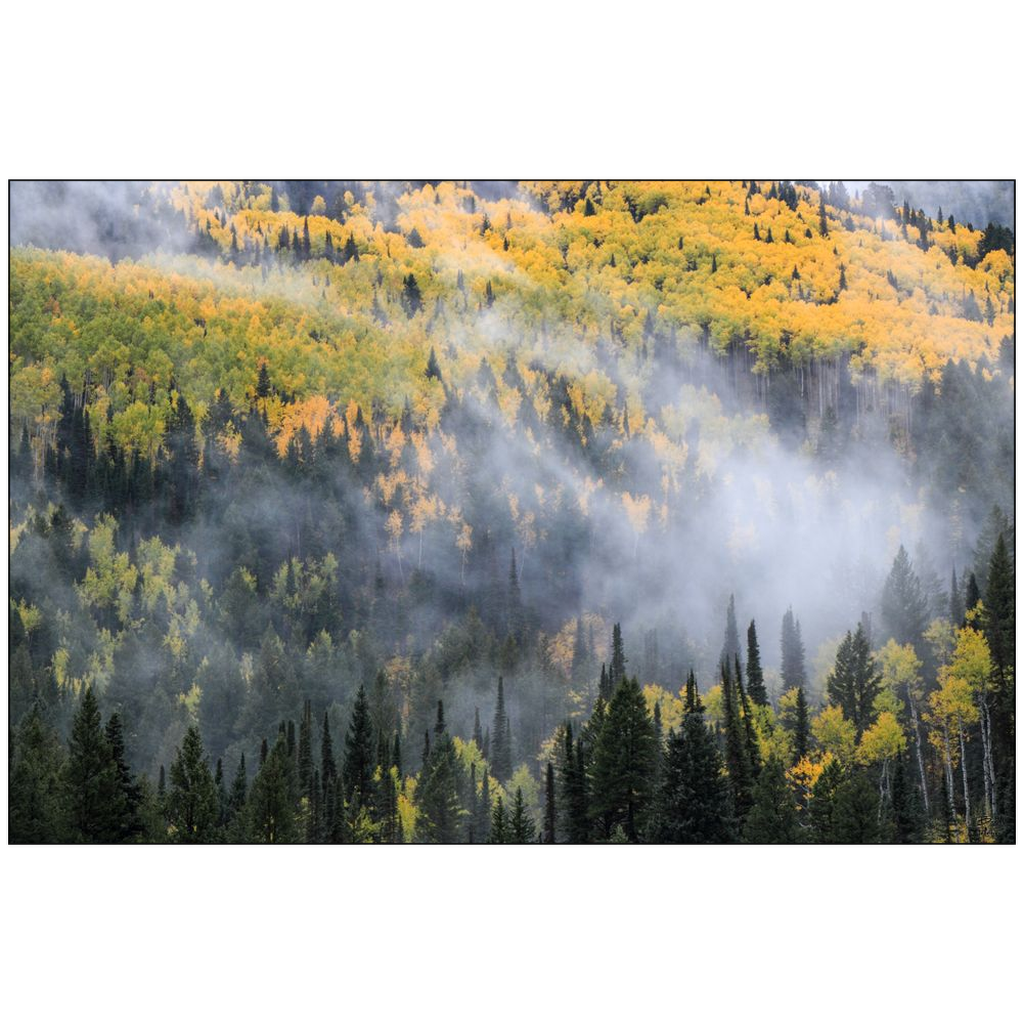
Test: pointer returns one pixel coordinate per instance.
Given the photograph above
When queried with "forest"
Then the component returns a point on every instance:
(511, 512)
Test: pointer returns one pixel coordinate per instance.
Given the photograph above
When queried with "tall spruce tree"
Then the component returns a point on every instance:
(572, 779)
(737, 750)
(793, 671)
(192, 804)
(773, 814)
(359, 760)
(624, 763)
(441, 815)
(617, 669)
(95, 800)
(694, 802)
(904, 603)
(731, 642)
(36, 796)
(273, 796)
(755, 674)
(501, 752)
(522, 828)
(550, 811)
(855, 681)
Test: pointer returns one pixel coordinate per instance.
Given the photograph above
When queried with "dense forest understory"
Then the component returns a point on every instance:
(492, 512)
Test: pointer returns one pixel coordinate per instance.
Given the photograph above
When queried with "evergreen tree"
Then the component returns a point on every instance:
(999, 618)
(773, 815)
(731, 644)
(500, 830)
(550, 814)
(802, 726)
(956, 603)
(972, 594)
(904, 604)
(328, 766)
(273, 796)
(501, 751)
(855, 812)
(514, 603)
(437, 793)
(192, 805)
(823, 800)
(855, 682)
(482, 811)
(575, 824)
(755, 674)
(131, 794)
(36, 797)
(624, 762)
(694, 802)
(737, 751)
(617, 669)
(522, 828)
(96, 803)
(359, 762)
(793, 671)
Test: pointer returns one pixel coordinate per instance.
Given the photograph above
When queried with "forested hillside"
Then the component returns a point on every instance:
(582, 511)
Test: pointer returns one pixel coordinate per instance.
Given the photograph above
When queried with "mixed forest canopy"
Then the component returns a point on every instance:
(349, 511)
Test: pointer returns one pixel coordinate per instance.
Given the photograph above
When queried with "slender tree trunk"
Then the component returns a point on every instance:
(989, 769)
(963, 772)
(948, 764)
(917, 745)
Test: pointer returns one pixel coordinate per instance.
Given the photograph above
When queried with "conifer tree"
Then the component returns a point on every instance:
(514, 603)
(773, 815)
(972, 594)
(192, 805)
(131, 794)
(96, 803)
(731, 643)
(500, 830)
(522, 828)
(854, 682)
(501, 751)
(441, 815)
(694, 802)
(550, 812)
(617, 669)
(482, 811)
(575, 825)
(822, 804)
(904, 605)
(273, 796)
(737, 751)
(358, 764)
(802, 726)
(328, 766)
(36, 795)
(855, 817)
(755, 674)
(793, 671)
(624, 762)
(956, 603)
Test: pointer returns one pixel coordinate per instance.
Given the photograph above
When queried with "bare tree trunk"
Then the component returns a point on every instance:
(948, 764)
(963, 772)
(917, 744)
(988, 772)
